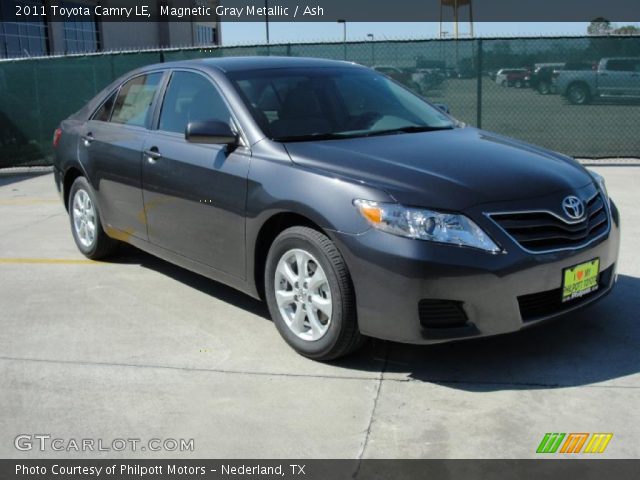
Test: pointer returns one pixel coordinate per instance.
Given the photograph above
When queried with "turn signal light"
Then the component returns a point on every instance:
(370, 210)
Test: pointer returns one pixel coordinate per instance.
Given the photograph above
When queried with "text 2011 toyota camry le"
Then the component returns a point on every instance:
(352, 206)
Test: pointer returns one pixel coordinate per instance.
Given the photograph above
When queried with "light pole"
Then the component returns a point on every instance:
(344, 35)
(373, 46)
(266, 18)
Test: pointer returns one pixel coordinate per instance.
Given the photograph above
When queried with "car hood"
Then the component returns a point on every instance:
(451, 169)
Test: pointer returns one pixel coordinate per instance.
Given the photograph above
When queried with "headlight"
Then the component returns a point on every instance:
(599, 179)
(425, 225)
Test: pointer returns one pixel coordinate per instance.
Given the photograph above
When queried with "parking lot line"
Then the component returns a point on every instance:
(50, 261)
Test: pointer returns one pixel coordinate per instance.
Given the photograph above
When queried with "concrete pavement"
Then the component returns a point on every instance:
(138, 348)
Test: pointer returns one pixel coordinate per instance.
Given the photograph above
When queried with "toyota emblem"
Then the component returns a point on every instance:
(573, 207)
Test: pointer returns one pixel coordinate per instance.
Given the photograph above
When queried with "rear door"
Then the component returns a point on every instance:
(111, 150)
(195, 195)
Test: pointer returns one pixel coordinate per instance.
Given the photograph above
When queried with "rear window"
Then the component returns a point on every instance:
(103, 114)
(134, 100)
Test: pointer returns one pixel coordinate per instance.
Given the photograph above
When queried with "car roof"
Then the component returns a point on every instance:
(241, 64)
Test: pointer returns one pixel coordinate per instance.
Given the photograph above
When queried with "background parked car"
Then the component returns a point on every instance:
(510, 77)
(399, 75)
(428, 78)
(541, 78)
(613, 78)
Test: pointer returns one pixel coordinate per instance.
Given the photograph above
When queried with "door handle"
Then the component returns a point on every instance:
(88, 139)
(153, 155)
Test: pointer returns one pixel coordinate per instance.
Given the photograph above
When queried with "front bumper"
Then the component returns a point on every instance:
(392, 275)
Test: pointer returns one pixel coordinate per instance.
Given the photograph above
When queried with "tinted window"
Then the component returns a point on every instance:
(191, 98)
(294, 104)
(622, 65)
(134, 100)
(104, 112)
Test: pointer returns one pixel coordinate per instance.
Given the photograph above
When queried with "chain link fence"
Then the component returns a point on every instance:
(576, 95)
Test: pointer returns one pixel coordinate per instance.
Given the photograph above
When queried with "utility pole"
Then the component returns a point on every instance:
(344, 35)
(266, 18)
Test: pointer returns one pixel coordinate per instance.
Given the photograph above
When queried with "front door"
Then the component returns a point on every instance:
(195, 195)
(621, 77)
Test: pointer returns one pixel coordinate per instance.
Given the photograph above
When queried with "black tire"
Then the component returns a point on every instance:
(343, 335)
(578, 94)
(102, 245)
(544, 88)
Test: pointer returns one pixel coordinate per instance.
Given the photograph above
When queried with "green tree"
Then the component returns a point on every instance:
(599, 26)
(627, 30)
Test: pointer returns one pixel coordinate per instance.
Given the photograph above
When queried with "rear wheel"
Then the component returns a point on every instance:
(309, 294)
(85, 222)
(578, 94)
(544, 88)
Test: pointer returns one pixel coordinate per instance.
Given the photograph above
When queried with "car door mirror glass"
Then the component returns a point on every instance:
(211, 132)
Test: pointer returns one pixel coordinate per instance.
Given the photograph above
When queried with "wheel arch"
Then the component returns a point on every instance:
(581, 83)
(70, 176)
(267, 233)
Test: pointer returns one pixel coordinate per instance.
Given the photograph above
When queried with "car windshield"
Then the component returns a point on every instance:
(298, 104)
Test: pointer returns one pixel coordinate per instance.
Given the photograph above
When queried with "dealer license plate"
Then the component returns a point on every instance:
(580, 280)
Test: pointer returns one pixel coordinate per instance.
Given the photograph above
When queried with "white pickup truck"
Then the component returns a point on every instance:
(614, 78)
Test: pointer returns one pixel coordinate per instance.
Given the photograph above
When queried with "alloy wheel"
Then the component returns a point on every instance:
(303, 295)
(84, 218)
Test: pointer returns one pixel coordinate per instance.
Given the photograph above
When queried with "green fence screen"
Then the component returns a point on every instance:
(507, 85)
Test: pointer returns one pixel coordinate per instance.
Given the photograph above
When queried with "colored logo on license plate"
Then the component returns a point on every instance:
(580, 280)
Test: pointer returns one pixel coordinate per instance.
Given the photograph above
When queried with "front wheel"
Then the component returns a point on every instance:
(309, 293)
(85, 222)
(578, 94)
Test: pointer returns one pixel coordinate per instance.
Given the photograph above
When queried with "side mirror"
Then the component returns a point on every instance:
(442, 106)
(211, 132)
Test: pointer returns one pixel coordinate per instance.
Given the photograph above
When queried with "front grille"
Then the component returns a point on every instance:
(542, 231)
(543, 304)
(441, 314)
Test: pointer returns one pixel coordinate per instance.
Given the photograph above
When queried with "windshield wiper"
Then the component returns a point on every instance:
(337, 136)
(408, 129)
(312, 136)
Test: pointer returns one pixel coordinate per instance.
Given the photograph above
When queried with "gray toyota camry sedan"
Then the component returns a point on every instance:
(354, 207)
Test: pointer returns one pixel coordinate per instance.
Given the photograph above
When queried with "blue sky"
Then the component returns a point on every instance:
(283, 32)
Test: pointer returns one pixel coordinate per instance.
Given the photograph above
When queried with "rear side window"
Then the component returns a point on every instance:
(623, 65)
(103, 114)
(191, 97)
(134, 100)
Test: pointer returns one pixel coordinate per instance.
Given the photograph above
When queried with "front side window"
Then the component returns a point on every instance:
(191, 97)
(305, 103)
(134, 100)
